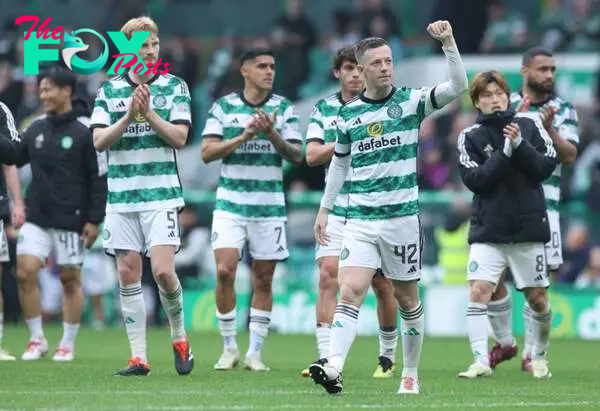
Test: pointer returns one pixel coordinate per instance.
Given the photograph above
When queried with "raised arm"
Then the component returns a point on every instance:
(444, 93)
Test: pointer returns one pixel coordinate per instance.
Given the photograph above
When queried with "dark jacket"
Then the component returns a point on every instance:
(509, 205)
(68, 187)
(8, 130)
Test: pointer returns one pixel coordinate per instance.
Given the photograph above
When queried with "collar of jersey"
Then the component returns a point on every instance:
(261, 103)
(134, 84)
(381, 101)
(550, 97)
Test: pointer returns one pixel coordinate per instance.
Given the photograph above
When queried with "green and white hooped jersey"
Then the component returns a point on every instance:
(251, 183)
(566, 124)
(142, 167)
(382, 138)
(322, 128)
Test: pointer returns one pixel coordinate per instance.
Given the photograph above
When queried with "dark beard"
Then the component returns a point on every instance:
(539, 88)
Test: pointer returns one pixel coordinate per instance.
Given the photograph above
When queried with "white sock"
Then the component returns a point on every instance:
(541, 325)
(1, 327)
(413, 328)
(35, 328)
(173, 305)
(133, 310)
(323, 337)
(343, 331)
(528, 323)
(259, 329)
(227, 326)
(388, 341)
(499, 314)
(478, 331)
(69, 334)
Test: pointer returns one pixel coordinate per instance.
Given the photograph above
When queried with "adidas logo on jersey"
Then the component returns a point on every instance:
(333, 124)
(121, 104)
(235, 122)
(412, 270)
(380, 142)
(357, 122)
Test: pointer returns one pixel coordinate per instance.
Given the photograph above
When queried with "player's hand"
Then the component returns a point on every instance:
(321, 235)
(250, 131)
(547, 114)
(440, 30)
(134, 107)
(18, 216)
(143, 93)
(89, 234)
(524, 105)
(264, 122)
(512, 131)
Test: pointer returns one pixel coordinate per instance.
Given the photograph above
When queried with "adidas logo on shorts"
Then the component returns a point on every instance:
(539, 278)
(280, 249)
(412, 270)
(172, 234)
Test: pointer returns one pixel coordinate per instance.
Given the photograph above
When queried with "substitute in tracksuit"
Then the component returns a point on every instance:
(503, 159)
(64, 205)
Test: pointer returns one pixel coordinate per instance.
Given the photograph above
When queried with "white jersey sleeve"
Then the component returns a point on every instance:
(214, 123)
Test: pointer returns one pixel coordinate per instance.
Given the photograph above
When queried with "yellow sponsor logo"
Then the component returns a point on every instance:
(375, 129)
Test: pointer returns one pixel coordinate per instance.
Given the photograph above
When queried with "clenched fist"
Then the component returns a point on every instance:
(440, 30)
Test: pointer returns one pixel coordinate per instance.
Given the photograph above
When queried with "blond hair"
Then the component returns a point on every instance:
(136, 24)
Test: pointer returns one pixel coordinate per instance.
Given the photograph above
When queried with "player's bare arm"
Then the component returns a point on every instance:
(105, 137)
(318, 153)
(174, 135)
(448, 91)
(214, 148)
(14, 188)
(266, 124)
(567, 151)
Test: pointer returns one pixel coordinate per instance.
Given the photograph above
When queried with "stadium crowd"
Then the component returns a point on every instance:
(562, 25)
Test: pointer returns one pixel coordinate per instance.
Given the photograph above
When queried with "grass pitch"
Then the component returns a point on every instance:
(87, 383)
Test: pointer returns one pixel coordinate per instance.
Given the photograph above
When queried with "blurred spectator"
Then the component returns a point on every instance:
(292, 38)
(468, 19)
(583, 27)
(194, 240)
(380, 27)
(553, 25)
(11, 89)
(345, 31)
(575, 253)
(369, 10)
(433, 173)
(183, 61)
(506, 31)
(590, 276)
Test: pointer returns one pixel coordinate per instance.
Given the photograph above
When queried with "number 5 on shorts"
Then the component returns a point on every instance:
(171, 219)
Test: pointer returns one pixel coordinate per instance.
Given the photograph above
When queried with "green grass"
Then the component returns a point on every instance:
(87, 383)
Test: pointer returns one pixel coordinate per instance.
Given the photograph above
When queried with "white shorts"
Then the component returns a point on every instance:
(267, 240)
(335, 229)
(98, 274)
(393, 245)
(140, 231)
(51, 291)
(527, 263)
(40, 242)
(554, 247)
(4, 252)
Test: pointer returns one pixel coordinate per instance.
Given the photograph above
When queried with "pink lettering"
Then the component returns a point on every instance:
(42, 30)
(121, 58)
(139, 68)
(24, 19)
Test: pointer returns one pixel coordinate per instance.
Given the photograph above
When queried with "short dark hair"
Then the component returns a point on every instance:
(345, 54)
(481, 81)
(367, 44)
(533, 53)
(251, 54)
(61, 77)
